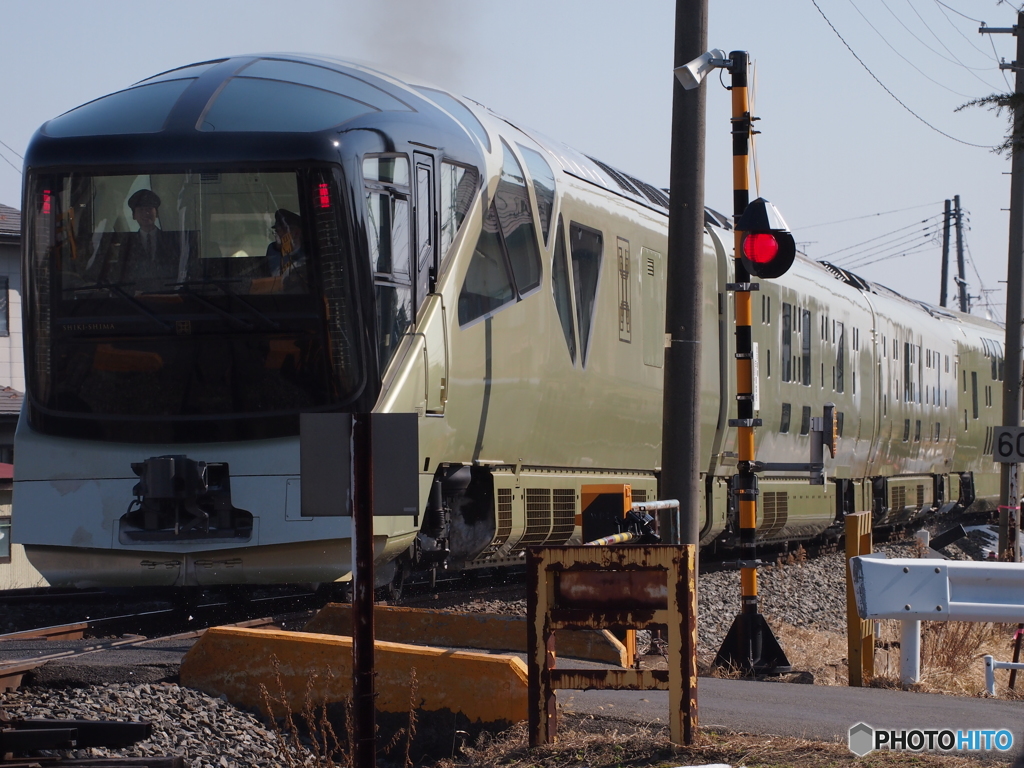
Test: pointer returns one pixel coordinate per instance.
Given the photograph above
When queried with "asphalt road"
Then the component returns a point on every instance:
(823, 713)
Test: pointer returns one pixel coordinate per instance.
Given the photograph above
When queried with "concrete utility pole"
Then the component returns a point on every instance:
(958, 215)
(945, 256)
(1009, 493)
(680, 445)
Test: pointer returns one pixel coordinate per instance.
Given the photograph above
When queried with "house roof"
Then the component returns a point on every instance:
(10, 223)
(10, 400)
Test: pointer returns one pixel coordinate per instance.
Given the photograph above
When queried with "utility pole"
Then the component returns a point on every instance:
(1009, 493)
(962, 281)
(945, 256)
(680, 443)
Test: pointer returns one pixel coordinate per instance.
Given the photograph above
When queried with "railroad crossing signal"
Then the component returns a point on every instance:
(768, 247)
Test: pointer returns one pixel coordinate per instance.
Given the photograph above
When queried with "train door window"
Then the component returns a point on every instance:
(586, 247)
(787, 410)
(885, 349)
(806, 346)
(805, 420)
(974, 393)
(787, 342)
(389, 236)
(426, 262)
(625, 319)
(543, 179)
(766, 309)
(906, 430)
(652, 307)
(561, 289)
(938, 431)
(840, 337)
(895, 349)
(839, 423)
(458, 187)
(917, 431)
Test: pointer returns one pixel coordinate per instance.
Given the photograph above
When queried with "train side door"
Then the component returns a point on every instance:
(426, 241)
(432, 324)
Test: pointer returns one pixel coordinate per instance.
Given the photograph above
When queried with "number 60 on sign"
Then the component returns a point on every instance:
(1008, 447)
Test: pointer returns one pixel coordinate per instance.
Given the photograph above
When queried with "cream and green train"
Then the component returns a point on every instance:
(370, 244)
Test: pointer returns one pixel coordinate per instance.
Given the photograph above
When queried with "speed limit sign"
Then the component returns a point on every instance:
(1009, 445)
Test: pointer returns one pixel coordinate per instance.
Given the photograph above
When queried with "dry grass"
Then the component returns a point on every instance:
(586, 742)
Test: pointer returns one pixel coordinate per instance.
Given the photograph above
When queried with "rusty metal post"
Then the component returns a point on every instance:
(682, 650)
(860, 637)
(364, 750)
(540, 641)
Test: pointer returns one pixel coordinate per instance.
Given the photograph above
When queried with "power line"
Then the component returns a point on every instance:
(896, 248)
(2, 155)
(908, 252)
(886, 89)
(894, 50)
(12, 150)
(884, 234)
(958, 13)
(954, 60)
(870, 215)
(965, 37)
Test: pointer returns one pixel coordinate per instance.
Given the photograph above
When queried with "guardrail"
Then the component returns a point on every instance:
(912, 590)
(991, 665)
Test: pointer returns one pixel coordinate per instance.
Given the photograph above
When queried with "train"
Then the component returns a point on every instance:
(220, 248)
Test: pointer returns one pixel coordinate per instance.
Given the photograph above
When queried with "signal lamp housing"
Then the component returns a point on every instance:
(767, 248)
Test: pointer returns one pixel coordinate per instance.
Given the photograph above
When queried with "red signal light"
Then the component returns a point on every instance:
(760, 248)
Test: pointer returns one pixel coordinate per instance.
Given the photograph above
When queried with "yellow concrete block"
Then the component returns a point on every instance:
(487, 631)
(234, 662)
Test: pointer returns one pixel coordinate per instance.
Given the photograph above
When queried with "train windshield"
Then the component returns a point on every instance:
(186, 296)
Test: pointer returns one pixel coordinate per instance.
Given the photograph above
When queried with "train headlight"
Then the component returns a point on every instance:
(767, 247)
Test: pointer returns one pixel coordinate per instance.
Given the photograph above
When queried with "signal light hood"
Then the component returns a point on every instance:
(761, 216)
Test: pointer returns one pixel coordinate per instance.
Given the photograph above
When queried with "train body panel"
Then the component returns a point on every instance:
(507, 289)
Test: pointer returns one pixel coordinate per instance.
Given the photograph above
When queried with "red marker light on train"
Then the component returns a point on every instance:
(324, 196)
(767, 248)
(45, 203)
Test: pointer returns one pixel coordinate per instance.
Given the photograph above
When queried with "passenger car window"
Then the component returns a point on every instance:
(458, 186)
(137, 110)
(587, 248)
(562, 291)
(515, 216)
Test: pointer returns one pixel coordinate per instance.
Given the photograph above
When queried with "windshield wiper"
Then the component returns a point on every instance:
(117, 290)
(222, 284)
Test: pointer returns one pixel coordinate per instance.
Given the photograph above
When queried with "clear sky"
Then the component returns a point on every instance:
(597, 75)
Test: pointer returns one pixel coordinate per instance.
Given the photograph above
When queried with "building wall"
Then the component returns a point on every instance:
(12, 361)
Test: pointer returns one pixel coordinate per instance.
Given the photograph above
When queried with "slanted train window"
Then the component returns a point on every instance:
(587, 248)
(543, 186)
(506, 263)
(561, 290)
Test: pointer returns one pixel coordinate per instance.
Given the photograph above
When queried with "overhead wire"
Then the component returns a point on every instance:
(871, 215)
(12, 150)
(956, 29)
(898, 255)
(886, 88)
(879, 237)
(912, 64)
(954, 60)
(918, 241)
(2, 155)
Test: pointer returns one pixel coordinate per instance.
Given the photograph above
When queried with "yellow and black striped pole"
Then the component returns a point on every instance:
(750, 644)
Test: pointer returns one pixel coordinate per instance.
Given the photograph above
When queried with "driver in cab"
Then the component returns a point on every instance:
(149, 260)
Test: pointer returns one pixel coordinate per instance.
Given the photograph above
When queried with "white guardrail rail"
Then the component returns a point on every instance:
(911, 590)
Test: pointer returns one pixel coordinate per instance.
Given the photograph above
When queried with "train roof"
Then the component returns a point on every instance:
(180, 115)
